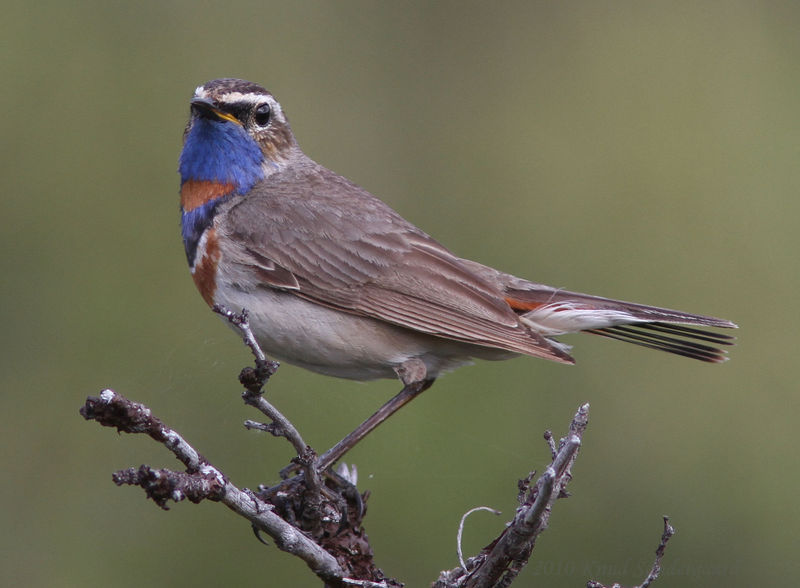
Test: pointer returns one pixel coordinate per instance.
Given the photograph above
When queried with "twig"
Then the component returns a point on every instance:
(501, 561)
(461, 530)
(281, 426)
(364, 583)
(319, 520)
(201, 480)
(241, 321)
(254, 380)
(548, 436)
(669, 531)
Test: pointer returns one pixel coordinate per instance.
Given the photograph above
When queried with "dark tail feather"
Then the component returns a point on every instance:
(553, 311)
(677, 339)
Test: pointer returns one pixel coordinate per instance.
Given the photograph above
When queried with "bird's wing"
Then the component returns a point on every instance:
(325, 239)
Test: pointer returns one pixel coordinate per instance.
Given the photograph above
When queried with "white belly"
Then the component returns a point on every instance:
(339, 344)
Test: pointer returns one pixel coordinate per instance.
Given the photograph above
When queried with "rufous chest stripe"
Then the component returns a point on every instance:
(195, 193)
(204, 272)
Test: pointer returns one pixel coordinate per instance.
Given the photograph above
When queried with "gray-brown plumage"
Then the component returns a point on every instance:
(339, 283)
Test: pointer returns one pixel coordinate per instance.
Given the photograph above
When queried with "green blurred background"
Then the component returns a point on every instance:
(639, 150)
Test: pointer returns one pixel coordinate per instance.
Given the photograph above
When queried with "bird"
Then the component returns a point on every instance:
(337, 282)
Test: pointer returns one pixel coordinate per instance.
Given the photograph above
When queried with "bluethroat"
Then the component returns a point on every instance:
(337, 282)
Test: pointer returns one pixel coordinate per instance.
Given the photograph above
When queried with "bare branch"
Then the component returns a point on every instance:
(114, 410)
(317, 514)
(669, 531)
(548, 436)
(241, 321)
(201, 481)
(254, 380)
(364, 583)
(501, 561)
(281, 426)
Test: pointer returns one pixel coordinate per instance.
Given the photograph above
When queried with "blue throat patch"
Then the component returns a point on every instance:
(222, 152)
(216, 151)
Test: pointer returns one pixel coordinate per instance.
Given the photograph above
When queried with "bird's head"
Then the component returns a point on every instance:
(237, 134)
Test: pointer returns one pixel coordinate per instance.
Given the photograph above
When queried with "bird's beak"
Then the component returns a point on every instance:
(205, 108)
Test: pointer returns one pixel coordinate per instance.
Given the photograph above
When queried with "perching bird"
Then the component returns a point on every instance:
(337, 282)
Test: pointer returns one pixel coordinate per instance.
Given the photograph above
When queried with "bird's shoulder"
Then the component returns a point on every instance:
(335, 238)
(310, 209)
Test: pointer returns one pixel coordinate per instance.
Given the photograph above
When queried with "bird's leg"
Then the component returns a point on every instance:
(413, 375)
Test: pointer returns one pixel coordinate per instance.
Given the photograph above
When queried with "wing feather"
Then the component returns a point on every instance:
(355, 254)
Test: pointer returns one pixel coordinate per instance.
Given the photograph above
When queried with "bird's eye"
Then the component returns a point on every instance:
(262, 113)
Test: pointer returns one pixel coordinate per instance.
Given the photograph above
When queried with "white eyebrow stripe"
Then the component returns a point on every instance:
(251, 97)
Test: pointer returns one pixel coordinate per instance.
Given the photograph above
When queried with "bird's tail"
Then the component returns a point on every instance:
(550, 311)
